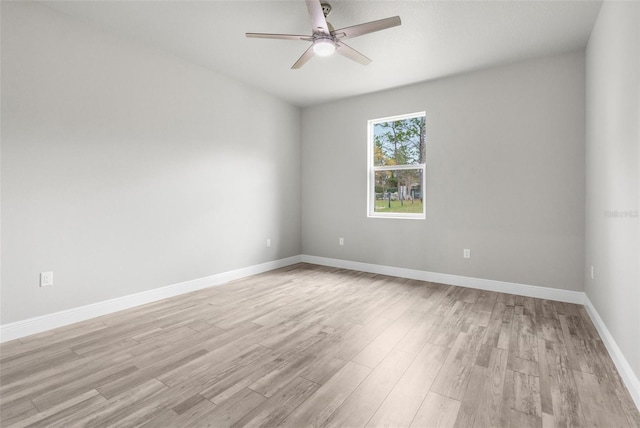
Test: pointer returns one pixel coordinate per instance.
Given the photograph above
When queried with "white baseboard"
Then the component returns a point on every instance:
(629, 378)
(42, 323)
(463, 281)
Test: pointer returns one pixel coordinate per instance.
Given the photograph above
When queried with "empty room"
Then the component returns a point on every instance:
(305, 213)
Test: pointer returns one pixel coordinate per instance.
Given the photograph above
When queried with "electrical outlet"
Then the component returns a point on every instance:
(466, 253)
(341, 241)
(268, 242)
(46, 279)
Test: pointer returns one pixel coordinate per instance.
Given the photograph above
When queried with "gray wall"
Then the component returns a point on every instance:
(505, 176)
(125, 169)
(612, 174)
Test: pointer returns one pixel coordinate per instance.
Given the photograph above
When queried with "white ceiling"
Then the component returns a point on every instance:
(436, 38)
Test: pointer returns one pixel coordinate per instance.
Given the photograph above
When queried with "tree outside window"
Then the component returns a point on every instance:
(397, 158)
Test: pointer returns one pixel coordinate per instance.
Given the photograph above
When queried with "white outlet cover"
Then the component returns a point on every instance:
(46, 279)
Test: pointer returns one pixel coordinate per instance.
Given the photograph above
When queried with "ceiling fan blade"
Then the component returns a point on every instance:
(318, 21)
(306, 56)
(279, 36)
(349, 52)
(366, 28)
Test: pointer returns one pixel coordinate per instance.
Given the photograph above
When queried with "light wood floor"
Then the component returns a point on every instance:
(315, 346)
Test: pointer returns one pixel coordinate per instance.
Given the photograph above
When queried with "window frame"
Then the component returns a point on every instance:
(372, 169)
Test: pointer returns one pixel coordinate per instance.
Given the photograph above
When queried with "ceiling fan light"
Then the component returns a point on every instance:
(323, 47)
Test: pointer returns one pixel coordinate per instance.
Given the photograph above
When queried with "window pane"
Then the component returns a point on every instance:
(399, 142)
(399, 191)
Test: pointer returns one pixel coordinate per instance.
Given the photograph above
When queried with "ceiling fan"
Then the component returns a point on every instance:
(325, 40)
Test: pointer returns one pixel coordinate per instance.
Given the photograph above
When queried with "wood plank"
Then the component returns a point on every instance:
(482, 309)
(472, 398)
(599, 408)
(80, 386)
(401, 405)
(114, 409)
(619, 391)
(567, 408)
(61, 410)
(453, 378)
(546, 401)
(524, 420)
(570, 351)
(452, 324)
(527, 394)
(319, 407)
(364, 401)
(221, 386)
(504, 340)
(16, 411)
(492, 335)
(508, 397)
(491, 402)
(380, 347)
(437, 411)
(357, 339)
(232, 410)
(122, 384)
(419, 334)
(272, 382)
(274, 410)
(526, 338)
(322, 369)
(224, 360)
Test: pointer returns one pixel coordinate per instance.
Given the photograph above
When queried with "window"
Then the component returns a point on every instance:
(396, 159)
